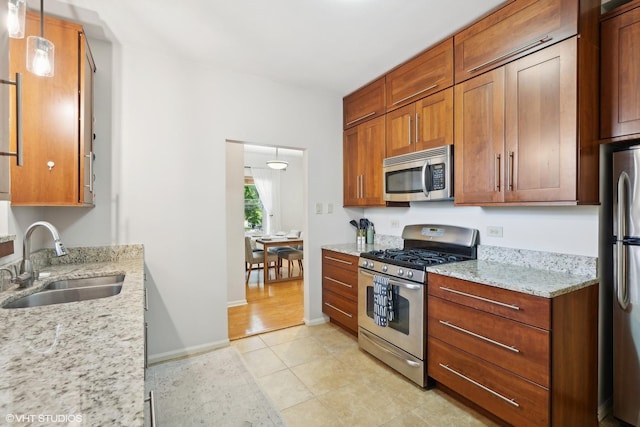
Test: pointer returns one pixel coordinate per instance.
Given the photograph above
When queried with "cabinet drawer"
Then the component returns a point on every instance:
(515, 400)
(427, 73)
(529, 309)
(364, 104)
(516, 347)
(340, 309)
(341, 281)
(339, 259)
(517, 29)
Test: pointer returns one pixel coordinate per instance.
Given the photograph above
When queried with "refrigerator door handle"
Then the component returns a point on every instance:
(621, 279)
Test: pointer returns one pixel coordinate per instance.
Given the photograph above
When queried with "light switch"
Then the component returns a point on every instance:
(318, 208)
(329, 208)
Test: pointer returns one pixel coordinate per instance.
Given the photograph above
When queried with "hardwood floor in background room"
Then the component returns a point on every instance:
(269, 308)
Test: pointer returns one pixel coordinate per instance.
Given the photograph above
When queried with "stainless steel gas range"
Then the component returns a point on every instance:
(392, 295)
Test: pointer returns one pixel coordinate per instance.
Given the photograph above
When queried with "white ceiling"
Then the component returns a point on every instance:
(334, 45)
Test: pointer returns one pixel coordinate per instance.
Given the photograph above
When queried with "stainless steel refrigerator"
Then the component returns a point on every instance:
(626, 292)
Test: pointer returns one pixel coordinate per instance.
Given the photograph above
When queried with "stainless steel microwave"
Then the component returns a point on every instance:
(419, 177)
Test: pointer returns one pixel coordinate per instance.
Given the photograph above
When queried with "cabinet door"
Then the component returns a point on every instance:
(427, 73)
(86, 124)
(364, 104)
(620, 78)
(541, 125)
(50, 175)
(434, 120)
(516, 30)
(400, 131)
(371, 156)
(351, 172)
(479, 139)
(6, 91)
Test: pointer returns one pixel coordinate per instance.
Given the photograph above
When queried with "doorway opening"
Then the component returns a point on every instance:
(271, 209)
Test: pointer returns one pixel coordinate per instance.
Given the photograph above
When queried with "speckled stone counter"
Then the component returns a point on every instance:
(80, 361)
(381, 242)
(543, 274)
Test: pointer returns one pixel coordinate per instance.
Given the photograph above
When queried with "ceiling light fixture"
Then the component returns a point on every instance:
(40, 51)
(15, 18)
(277, 164)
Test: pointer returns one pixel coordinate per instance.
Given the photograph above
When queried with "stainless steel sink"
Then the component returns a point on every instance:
(86, 282)
(71, 290)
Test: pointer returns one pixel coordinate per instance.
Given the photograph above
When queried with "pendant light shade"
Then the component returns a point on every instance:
(16, 18)
(40, 51)
(277, 164)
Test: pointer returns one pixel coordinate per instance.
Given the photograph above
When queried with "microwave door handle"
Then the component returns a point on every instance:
(426, 178)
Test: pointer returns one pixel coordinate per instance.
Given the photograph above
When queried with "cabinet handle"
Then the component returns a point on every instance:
(146, 347)
(18, 153)
(146, 300)
(152, 408)
(360, 118)
(497, 172)
(409, 132)
(502, 304)
(510, 167)
(337, 309)
(499, 344)
(485, 388)
(417, 93)
(90, 185)
(417, 128)
(511, 53)
(346, 285)
(338, 260)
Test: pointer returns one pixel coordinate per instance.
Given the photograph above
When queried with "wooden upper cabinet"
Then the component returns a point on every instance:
(429, 72)
(519, 28)
(57, 118)
(6, 91)
(620, 73)
(516, 131)
(362, 161)
(427, 123)
(364, 104)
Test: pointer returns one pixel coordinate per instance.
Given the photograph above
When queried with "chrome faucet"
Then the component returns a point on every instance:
(26, 277)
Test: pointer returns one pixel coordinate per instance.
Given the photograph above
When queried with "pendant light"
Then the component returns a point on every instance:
(40, 51)
(16, 18)
(277, 164)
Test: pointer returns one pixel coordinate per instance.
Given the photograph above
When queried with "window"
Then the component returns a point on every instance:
(253, 209)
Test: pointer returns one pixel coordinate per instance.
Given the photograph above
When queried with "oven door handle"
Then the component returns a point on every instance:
(405, 285)
(394, 354)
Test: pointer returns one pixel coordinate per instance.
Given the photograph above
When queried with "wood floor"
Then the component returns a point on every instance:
(269, 308)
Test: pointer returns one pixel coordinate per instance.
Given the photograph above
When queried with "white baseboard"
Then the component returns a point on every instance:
(186, 352)
(237, 303)
(605, 409)
(317, 321)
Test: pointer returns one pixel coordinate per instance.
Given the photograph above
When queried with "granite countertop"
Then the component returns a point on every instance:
(80, 361)
(544, 274)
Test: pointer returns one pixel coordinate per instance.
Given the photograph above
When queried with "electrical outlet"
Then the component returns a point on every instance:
(329, 208)
(395, 223)
(318, 208)
(494, 231)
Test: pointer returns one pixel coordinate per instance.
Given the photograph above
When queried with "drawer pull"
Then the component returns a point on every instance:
(485, 388)
(337, 309)
(360, 118)
(393, 353)
(417, 93)
(499, 344)
(346, 285)
(338, 260)
(502, 304)
(511, 53)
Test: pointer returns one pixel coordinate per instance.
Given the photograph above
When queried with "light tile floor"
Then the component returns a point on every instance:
(317, 376)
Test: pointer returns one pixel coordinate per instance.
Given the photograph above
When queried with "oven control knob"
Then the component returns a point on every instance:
(385, 268)
(400, 272)
(410, 274)
(371, 264)
(364, 263)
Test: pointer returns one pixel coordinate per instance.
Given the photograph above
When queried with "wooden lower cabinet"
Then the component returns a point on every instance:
(528, 360)
(340, 289)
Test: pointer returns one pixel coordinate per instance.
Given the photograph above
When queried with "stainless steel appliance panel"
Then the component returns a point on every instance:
(626, 312)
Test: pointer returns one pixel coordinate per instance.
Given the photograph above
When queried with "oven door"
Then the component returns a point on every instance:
(407, 329)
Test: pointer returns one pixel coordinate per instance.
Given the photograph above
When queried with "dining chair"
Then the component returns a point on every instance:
(255, 257)
(291, 255)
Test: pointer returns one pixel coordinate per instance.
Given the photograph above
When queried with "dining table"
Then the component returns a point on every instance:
(276, 241)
